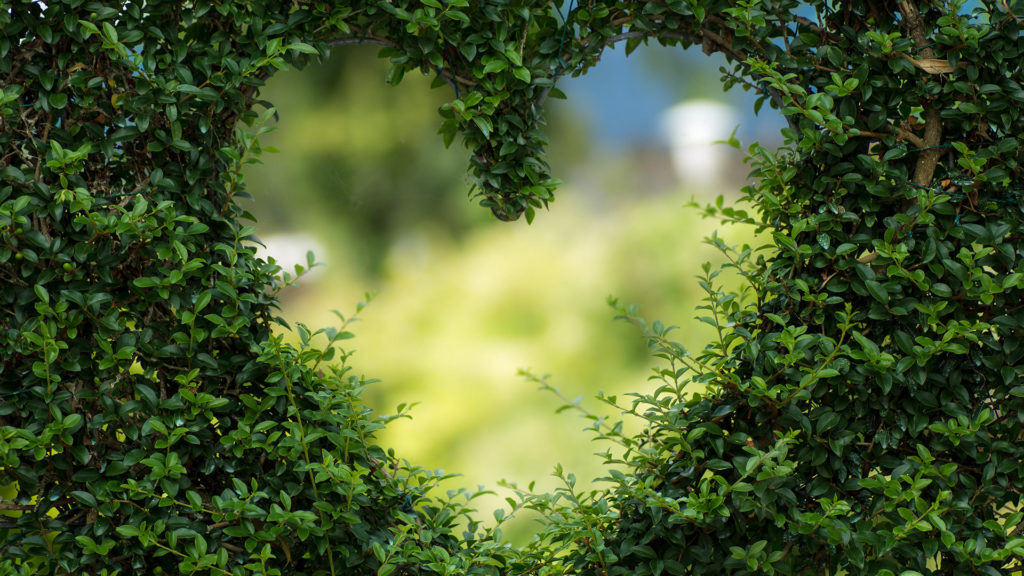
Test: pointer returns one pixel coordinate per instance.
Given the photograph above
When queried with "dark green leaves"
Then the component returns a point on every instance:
(854, 412)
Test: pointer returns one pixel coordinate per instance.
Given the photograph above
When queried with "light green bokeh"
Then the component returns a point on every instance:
(453, 322)
(464, 301)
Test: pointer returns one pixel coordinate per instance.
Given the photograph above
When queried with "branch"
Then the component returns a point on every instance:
(368, 40)
(1010, 12)
(810, 24)
(915, 25)
(928, 159)
(901, 134)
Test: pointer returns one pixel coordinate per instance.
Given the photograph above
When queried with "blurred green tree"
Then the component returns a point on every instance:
(359, 162)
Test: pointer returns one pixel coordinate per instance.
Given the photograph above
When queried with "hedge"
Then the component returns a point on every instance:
(859, 412)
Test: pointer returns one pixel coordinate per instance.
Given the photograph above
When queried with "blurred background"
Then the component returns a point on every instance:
(464, 301)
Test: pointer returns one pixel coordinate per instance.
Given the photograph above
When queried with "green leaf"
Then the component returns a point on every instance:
(58, 100)
(484, 124)
(866, 343)
(109, 32)
(85, 498)
(877, 291)
(495, 65)
(41, 293)
(521, 73)
(824, 240)
(378, 551)
(895, 153)
(827, 421)
(202, 300)
(72, 422)
(89, 27)
(194, 499)
(303, 48)
(461, 17)
(845, 248)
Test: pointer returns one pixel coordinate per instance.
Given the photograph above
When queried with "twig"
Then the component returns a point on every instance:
(1010, 12)
(368, 40)
(901, 134)
(231, 547)
(929, 158)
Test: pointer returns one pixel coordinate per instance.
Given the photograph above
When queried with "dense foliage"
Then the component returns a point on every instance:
(859, 412)
(151, 420)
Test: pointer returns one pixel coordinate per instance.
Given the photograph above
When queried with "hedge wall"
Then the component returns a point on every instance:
(859, 413)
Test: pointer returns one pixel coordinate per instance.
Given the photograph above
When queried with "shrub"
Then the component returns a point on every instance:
(152, 420)
(860, 409)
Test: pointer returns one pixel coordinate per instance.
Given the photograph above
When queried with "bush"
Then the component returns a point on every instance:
(153, 422)
(861, 405)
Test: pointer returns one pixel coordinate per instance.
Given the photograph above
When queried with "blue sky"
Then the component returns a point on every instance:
(623, 98)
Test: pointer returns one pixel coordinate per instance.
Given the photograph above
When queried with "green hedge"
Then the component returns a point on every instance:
(860, 410)
(152, 420)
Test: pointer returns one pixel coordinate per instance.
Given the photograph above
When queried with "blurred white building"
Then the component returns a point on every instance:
(692, 127)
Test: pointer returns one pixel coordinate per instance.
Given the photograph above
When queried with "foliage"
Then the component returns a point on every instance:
(152, 422)
(861, 410)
